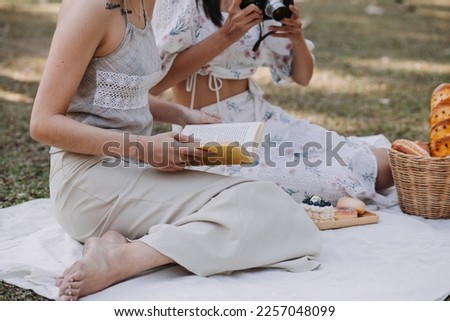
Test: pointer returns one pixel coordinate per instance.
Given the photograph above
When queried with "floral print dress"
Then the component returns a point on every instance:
(302, 158)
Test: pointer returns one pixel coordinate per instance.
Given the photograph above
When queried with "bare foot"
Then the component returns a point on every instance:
(110, 236)
(105, 263)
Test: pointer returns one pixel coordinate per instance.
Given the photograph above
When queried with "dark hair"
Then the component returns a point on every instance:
(212, 11)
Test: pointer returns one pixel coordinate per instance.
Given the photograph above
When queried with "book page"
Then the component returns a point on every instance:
(226, 143)
(220, 133)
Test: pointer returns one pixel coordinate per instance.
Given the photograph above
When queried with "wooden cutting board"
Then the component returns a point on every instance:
(364, 219)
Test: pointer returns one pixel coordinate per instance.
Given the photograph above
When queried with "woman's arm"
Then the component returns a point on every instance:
(190, 60)
(82, 32)
(171, 113)
(302, 63)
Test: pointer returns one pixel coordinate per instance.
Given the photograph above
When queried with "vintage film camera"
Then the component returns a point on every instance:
(272, 9)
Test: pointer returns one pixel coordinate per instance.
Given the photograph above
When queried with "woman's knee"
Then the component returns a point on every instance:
(77, 222)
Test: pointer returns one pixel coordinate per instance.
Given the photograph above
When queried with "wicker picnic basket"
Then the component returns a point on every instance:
(422, 183)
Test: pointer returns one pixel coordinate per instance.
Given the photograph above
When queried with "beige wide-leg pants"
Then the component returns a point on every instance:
(205, 222)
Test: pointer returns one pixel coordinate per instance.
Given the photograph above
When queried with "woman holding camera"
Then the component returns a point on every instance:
(210, 49)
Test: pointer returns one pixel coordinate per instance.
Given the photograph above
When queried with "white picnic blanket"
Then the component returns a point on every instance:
(402, 257)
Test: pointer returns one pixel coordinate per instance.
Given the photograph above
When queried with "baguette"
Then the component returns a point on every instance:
(409, 147)
(424, 146)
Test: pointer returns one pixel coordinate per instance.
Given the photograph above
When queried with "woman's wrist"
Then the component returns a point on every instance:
(223, 39)
(299, 40)
(180, 115)
(133, 147)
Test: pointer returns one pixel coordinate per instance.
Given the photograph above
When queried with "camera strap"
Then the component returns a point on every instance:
(261, 38)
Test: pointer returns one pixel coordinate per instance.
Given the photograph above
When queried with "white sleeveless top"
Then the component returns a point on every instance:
(113, 93)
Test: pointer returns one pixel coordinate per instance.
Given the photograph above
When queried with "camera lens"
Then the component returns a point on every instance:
(276, 10)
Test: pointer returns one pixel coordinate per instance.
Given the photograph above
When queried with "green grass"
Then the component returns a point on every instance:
(374, 74)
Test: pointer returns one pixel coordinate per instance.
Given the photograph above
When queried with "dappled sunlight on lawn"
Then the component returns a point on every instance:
(344, 123)
(404, 65)
(333, 81)
(15, 97)
(24, 69)
(329, 82)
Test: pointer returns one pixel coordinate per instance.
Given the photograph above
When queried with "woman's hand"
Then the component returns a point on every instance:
(240, 21)
(302, 65)
(169, 152)
(291, 27)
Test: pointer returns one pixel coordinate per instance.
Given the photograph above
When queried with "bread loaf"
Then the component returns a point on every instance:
(350, 202)
(439, 121)
(441, 147)
(439, 113)
(440, 130)
(424, 146)
(440, 93)
(345, 213)
(409, 147)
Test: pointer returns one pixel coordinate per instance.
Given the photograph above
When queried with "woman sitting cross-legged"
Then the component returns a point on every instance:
(124, 192)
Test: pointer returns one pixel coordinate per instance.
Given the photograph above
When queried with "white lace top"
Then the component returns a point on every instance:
(180, 24)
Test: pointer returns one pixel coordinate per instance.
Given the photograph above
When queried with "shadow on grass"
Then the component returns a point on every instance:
(24, 33)
(22, 87)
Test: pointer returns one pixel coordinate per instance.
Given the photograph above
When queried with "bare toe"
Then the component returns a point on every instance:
(70, 286)
(73, 293)
(67, 298)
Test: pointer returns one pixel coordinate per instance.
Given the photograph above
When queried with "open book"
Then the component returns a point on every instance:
(226, 143)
